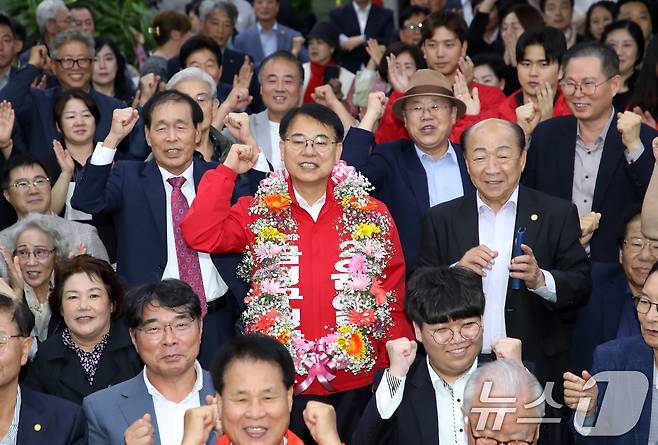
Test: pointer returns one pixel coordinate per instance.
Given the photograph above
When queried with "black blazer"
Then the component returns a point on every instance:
(400, 182)
(48, 420)
(379, 26)
(620, 187)
(56, 370)
(451, 229)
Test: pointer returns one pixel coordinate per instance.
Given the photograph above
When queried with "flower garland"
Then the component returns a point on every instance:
(364, 241)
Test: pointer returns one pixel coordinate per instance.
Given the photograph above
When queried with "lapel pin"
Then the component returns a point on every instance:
(534, 217)
(37, 427)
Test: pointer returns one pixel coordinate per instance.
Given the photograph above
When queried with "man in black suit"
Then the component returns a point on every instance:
(446, 307)
(360, 20)
(550, 274)
(28, 417)
(599, 159)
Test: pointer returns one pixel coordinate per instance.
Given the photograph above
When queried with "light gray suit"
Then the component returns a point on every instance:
(72, 232)
(111, 411)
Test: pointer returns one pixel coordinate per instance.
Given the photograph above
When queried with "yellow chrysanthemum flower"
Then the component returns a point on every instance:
(365, 231)
(269, 233)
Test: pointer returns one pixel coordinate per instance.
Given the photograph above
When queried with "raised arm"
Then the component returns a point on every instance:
(650, 205)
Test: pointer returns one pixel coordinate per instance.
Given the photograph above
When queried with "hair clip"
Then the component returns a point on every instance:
(154, 31)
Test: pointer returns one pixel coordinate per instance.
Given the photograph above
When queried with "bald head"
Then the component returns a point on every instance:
(517, 136)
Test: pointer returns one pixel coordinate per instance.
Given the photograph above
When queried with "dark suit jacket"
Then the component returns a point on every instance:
(379, 26)
(59, 422)
(626, 354)
(34, 129)
(451, 229)
(400, 182)
(619, 187)
(56, 370)
(599, 320)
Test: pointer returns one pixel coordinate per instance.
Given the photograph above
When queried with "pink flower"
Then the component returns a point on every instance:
(271, 287)
(340, 171)
(360, 282)
(357, 264)
(373, 249)
(267, 251)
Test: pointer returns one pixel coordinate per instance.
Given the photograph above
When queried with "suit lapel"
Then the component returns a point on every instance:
(198, 170)
(643, 360)
(423, 400)
(609, 161)
(207, 390)
(467, 224)
(154, 191)
(137, 402)
(32, 425)
(416, 175)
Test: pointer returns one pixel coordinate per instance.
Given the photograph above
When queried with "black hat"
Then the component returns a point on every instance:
(324, 31)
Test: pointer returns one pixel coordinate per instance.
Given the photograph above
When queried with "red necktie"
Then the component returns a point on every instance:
(189, 269)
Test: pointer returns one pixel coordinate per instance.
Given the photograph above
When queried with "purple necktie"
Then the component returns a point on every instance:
(189, 269)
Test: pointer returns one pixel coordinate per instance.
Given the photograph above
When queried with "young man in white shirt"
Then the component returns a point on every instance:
(420, 396)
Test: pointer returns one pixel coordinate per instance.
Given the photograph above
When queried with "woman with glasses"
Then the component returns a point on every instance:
(94, 350)
(34, 247)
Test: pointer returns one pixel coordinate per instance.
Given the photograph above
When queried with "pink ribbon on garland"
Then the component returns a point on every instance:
(320, 369)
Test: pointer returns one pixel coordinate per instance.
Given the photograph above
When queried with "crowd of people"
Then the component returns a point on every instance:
(438, 225)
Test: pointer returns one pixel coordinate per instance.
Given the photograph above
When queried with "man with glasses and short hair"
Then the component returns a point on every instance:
(27, 187)
(28, 417)
(420, 396)
(637, 353)
(70, 58)
(165, 325)
(599, 158)
(311, 231)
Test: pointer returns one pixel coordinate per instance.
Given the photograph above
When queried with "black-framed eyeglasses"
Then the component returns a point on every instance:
(38, 182)
(6, 338)
(468, 331)
(320, 143)
(491, 441)
(40, 253)
(68, 63)
(414, 26)
(643, 304)
(588, 87)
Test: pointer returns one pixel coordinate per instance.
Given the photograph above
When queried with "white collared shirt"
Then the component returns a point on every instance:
(170, 415)
(213, 284)
(276, 161)
(312, 209)
(496, 231)
(449, 401)
(12, 432)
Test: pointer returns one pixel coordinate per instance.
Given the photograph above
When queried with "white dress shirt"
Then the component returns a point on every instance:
(496, 231)
(170, 415)
(213, 284)
(361, 17)
(275, 138)
(449, 401)
(312, 209)
(12, 432)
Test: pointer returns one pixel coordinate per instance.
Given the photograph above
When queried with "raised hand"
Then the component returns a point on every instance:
(580, 387)
(16, 284)
(375, 51)
(123, 121)
(589, 222)
(479, 259)
(198, 424)
(467, 68)
(525, 267)
(297, 44)
(80, 249)
(243, 78)
(320, 419)
(629, 124)
(654, 145)
(507, 348)
(396, 76)
(325, 95)
(64, 158)
(471, 99)
(238, 125)
(140, 432)
(545, 95)
(376, 107)
(401, 355)
(39, 57)
(149, 84)
(7, 117)
(527, 117)
(647, 118)
(241, 158)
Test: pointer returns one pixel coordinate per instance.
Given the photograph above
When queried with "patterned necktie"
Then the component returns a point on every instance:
(189, 269)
